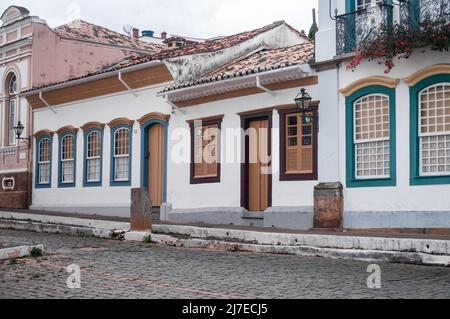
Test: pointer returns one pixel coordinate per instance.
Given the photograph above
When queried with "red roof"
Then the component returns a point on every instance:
(84, 31)
(262, 61)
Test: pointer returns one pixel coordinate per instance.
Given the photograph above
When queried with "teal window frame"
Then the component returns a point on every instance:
(87, 183)
(38, 185)
(352, 182)
(415, 178)
(113, 182)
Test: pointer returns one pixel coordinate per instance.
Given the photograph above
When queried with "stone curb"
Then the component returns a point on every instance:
(426, 246)
(18, 252)
(305, 251)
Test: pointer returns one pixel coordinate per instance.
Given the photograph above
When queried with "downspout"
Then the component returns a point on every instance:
(45, 102)
(261, 87)
(126, 85)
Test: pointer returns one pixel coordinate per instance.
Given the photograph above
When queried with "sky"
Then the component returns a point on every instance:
(194, 18)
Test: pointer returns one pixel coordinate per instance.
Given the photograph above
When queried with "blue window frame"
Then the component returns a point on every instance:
(430, 131)
(67, 160)
(371, 137)
(93, 158)
(121, 140)
(43, 178)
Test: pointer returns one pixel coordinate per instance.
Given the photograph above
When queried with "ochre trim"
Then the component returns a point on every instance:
(92, 125)
(153, 116)
(121, 121)
(67, 129)
(208, 119)
(41, 133)
(427, 72)
(369, 81)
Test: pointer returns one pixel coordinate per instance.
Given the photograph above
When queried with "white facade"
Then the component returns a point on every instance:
(403, 205)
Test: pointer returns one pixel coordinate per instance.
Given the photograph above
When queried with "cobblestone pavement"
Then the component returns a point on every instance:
(112, 269)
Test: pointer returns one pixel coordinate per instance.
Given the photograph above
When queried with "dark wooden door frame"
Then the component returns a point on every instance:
(245, 123)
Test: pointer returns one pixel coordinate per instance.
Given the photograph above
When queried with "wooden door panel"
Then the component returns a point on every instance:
(156, 164)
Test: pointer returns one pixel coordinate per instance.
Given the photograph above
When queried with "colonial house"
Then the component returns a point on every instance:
(31, 55)
(97, 137)
(385, 127)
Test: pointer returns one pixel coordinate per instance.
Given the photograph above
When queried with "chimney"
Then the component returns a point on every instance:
(135, 33)
(164, 35)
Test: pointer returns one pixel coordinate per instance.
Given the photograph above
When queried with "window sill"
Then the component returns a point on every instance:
(358, 183)
(205, 180)
(429, 180)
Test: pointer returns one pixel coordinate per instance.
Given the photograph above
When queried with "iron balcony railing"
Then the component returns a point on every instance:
(354, 28)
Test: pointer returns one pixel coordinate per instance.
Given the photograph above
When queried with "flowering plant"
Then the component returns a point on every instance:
(400, 40)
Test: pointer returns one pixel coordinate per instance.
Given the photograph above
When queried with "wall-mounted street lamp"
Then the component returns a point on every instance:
(19, 130)
(303, 101)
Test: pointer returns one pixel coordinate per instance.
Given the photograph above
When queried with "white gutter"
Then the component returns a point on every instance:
(301, 68)
(126, 85)
(261, 87)
(94, 77)
(45, 102)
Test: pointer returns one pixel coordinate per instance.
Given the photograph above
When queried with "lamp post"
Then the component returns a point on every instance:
(303, 101)
(19, 130)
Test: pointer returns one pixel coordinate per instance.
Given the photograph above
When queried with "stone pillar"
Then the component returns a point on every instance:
(141, 210)
(328, 206)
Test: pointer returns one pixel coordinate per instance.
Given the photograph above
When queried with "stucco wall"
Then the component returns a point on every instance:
(182, 195)
(106, 199)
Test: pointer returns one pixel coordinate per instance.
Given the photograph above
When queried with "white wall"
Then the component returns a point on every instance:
(182, 195)
(403, 197)
(102, 110)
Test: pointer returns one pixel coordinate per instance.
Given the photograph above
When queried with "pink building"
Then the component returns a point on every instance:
(33, 54)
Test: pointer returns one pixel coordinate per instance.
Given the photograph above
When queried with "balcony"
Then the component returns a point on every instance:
(356, 28)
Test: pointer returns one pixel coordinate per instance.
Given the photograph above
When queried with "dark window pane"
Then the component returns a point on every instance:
(306, 141)
(307, 130)
(292, 141)
(292, 131)
(292, 120)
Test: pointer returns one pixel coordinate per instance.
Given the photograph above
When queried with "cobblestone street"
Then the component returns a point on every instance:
(111, 269)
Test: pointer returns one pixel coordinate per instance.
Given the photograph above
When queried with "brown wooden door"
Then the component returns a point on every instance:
(258, 174)
(156, 164)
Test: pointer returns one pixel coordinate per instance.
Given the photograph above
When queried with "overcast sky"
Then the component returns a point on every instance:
(195, 18)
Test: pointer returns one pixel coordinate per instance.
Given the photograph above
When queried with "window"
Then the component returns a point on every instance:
(298, 145)
(371, 138)
(363, 4)
(434, 131)
(93, 157)
(67, 160)
(205, 146)
(44, 152)
(121, 165)
(12, 87)
(12, 122)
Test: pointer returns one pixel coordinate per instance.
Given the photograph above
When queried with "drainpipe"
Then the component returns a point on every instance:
(126, 85)
(45, 102)
(261, 87)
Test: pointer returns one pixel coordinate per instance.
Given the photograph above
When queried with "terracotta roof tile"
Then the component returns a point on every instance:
(262, 61)
(85, 31)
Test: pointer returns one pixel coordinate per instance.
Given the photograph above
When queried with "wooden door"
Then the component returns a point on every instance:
(156, 164)
(258, 173)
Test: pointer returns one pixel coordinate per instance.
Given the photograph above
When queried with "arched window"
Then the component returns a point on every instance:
(12, 89)
(121, 155)
(434, 130)
(44, 161)
(93, 157)
(372, 137)
(67, 160)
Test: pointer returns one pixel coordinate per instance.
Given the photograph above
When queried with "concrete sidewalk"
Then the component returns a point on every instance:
(422, 249)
